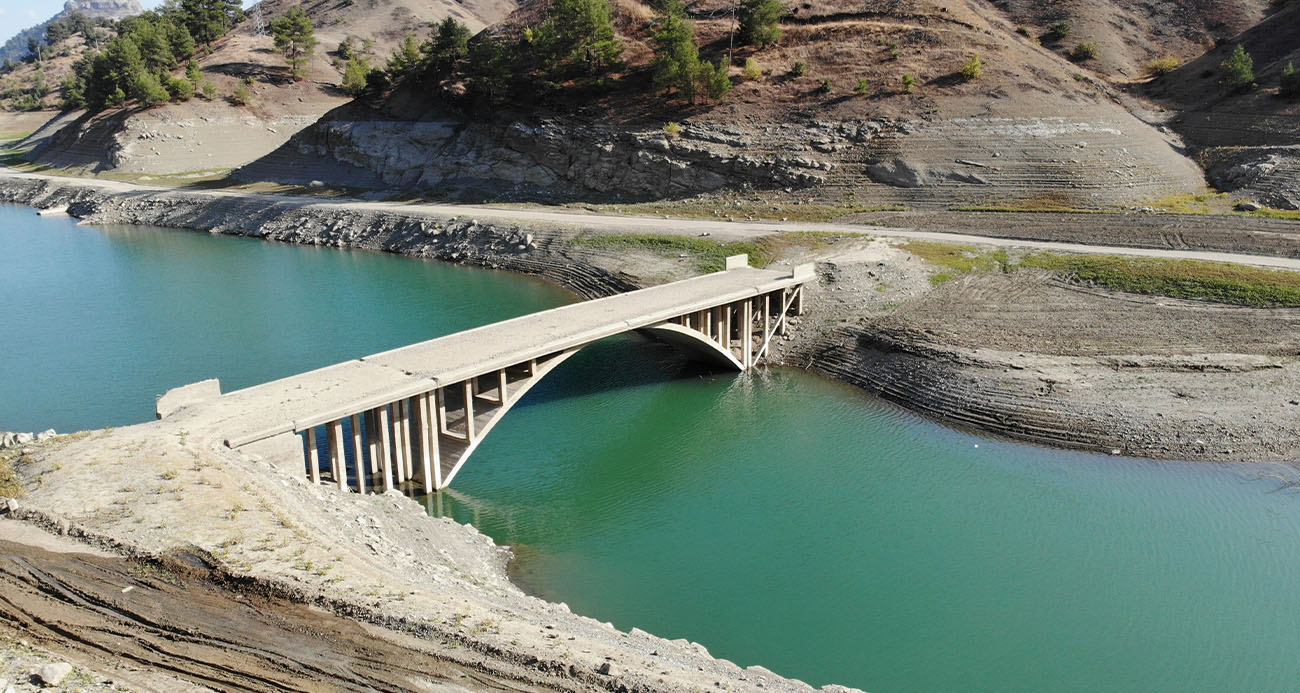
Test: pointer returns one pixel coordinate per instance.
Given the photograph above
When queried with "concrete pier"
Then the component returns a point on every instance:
(413, 416)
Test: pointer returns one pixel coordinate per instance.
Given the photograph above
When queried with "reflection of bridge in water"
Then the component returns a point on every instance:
(413, 416)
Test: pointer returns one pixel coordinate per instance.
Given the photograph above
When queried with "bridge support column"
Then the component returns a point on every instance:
(408, 450)
(428, 444)
(357, 456)
(469, 412)
(385, 446)
(767, 317)
(338, 463)
(747, 331)
(372, 441)
(313, 455)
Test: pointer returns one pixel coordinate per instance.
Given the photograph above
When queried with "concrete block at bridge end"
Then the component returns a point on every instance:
(178, 398)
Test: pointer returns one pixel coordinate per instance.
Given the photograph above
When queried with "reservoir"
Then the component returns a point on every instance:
(775, 517)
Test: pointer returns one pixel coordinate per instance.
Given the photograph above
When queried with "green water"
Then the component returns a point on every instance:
(775, 517)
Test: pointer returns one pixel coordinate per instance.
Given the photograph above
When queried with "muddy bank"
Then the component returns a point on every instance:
(179, 620)
(245, 576)
(1031, 357)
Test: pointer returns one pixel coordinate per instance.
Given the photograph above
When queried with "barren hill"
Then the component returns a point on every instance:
(1032, 129)
(1249, 140)
(1132, 34)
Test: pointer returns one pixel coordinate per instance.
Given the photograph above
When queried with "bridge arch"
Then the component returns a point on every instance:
(410, 418)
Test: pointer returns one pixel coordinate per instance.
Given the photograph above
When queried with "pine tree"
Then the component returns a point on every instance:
(577, 41)
(448, 44)
(209, 20)
(759, 22)
(354, 75)
(296, 38)
(1290, 82)
(676, 64)
(1239, 69)
(406, 60)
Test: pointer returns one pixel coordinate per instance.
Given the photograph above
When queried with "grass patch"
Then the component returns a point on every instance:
(1192, 279)
(709, 255)
(1206, 203)
(957, 260)
(10, 486)
(13, 158)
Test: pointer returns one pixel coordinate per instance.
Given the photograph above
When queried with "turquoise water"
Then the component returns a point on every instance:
(775, 517)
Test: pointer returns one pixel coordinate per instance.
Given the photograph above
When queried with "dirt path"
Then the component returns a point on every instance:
(179, 622)
(722, 230)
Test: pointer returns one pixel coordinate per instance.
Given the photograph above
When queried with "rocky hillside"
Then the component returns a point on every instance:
(1032, 129)
(1248, 140)
(15, 48)
(207, 136)
(1130, 35)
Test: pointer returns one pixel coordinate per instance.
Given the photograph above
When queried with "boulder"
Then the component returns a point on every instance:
(53, 674)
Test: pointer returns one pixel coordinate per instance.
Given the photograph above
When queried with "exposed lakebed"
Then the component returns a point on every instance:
(778, 518)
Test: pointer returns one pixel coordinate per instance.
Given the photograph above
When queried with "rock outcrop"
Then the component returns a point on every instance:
(1072, 161)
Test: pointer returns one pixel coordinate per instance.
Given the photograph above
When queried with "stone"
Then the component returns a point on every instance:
(46, 434)
(1249, 207)
(11, 505)
(608, 669)
(53, 674)
(23, 438)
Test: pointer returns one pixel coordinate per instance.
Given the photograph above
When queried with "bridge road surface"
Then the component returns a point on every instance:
(334, 392)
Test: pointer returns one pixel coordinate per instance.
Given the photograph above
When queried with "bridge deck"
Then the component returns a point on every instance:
(334, 392)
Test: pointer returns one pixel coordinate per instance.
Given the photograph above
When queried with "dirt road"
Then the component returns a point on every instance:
(1005, 234)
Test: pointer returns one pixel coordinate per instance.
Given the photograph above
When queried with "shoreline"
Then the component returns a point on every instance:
(904, 365)
(466, 600)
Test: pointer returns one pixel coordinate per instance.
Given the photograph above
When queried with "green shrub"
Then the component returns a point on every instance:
(673, 130)
(241, 96)
(909, 82)
(1085, 50)
(1239, 70)
(1290, 84)
(973, 69)
(1058, 30)
(799, 68)
(826, 86)
(1162, 66)
(1022, 30)
(180, 89)
(714, 79)
(861, 87)
(752, 70)
(354, 75)
(148, 90)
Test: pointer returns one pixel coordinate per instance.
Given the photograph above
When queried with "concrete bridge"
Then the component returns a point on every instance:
(411, 417)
